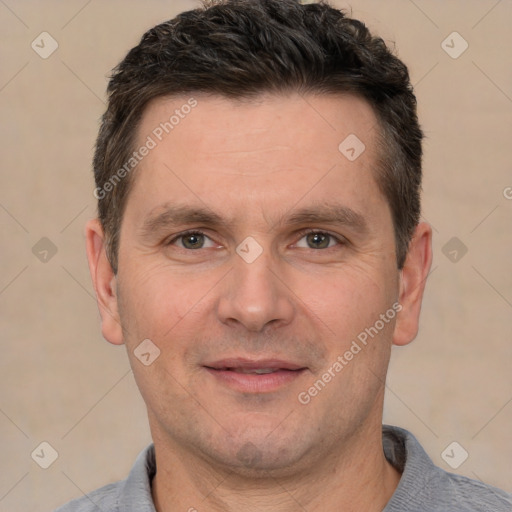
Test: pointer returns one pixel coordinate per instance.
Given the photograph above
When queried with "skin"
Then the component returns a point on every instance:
(254, 163)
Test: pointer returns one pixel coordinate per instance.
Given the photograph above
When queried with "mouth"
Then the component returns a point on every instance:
(249, 371)
(254, 376)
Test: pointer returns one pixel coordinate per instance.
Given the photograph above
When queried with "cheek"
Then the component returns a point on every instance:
(155, 298)
(347, 300)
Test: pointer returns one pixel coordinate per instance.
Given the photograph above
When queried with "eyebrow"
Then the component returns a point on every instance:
(174, 215)
(328, 214)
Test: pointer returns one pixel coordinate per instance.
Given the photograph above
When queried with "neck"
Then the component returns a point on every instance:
(358, 477)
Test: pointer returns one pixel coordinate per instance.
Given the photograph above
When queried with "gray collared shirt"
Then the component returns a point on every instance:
(423, 487)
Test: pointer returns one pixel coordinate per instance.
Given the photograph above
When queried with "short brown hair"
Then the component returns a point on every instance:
(243, 48)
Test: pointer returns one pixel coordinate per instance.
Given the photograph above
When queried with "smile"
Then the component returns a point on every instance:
(249, 376)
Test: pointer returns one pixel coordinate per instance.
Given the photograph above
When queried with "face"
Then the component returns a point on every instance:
(256, 256)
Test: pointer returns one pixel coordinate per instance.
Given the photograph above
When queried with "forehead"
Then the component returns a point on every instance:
(250, 124)
(267, 153)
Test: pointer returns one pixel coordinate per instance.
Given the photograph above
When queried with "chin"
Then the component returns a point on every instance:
(256, 462)
(261, 454)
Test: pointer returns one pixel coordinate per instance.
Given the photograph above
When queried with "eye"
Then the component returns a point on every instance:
(192, 240)
(318, 240)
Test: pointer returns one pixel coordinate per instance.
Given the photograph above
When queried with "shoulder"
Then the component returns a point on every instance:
(106, 498)
(472, 495)
(427, 487)
(130, 495)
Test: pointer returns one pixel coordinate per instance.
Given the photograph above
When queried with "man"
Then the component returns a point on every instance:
(258, 250)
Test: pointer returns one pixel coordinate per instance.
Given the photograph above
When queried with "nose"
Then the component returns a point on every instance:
(255, 295)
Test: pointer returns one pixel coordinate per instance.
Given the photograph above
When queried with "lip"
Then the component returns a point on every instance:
(224, 371)
(251, 364)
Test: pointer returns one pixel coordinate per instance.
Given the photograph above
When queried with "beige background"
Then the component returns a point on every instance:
(61, 383)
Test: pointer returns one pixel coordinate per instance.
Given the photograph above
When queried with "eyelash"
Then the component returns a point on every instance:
(300, 234)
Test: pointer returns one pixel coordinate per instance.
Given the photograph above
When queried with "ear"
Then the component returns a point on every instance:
(412, 284)
(104, 282)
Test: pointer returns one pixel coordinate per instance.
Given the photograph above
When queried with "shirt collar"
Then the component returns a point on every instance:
(400, 448)
(136, 494)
